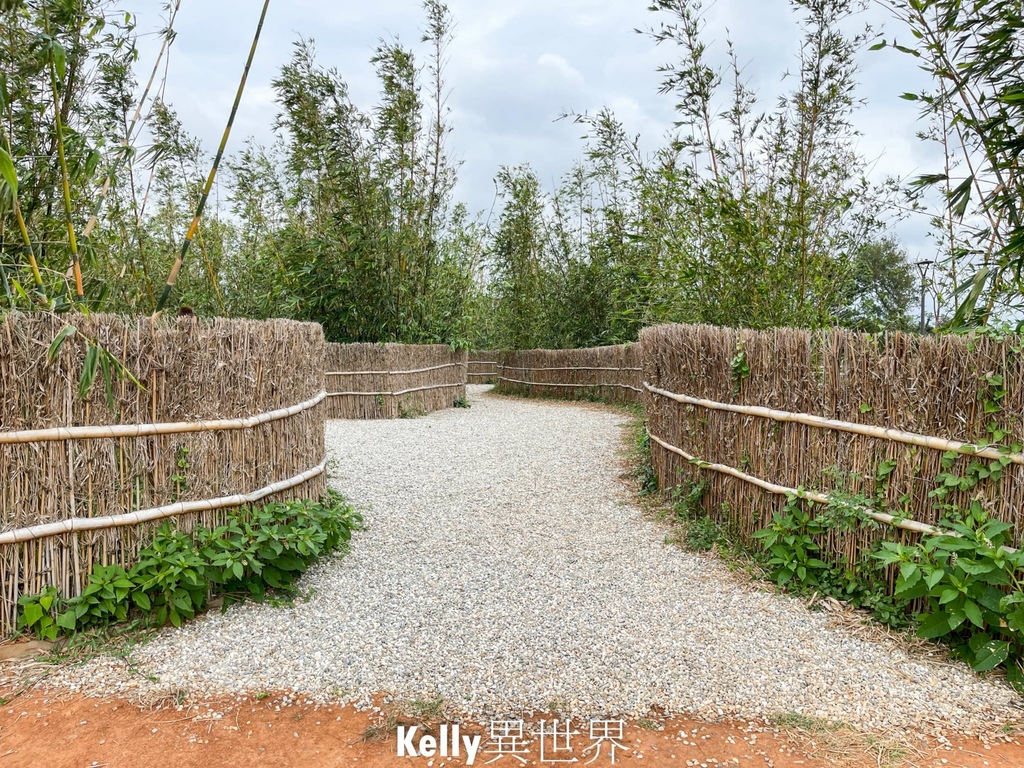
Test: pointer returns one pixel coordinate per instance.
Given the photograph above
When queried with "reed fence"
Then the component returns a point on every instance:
(482, 366)
(609, 374)
(388, 381)
(229, 412)
(753, 415)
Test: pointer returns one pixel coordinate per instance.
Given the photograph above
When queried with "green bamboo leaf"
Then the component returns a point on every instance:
(8, 171)
(89, 366)
(55, 345)
(60, 61)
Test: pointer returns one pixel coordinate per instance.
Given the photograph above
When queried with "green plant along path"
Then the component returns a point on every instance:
(257, 553)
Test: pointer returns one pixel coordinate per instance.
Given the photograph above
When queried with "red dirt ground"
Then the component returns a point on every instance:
(55, 731)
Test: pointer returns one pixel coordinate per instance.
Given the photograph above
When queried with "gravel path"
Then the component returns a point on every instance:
(504, 569)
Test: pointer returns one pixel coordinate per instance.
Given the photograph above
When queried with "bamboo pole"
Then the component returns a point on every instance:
(392, 373)
(157, 513)
(395, 394)
(817, 498)
(867, 430)
(76, 265)
(569, 368)
(143, 430)
(172, 278)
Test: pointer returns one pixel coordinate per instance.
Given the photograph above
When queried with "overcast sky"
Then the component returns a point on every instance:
(515, 66)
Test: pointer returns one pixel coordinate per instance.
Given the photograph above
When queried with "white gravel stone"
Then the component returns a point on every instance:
(505, 570)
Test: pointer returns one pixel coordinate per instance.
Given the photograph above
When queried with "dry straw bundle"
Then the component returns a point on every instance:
(610, 374)
(482, 366)
(386, 381)
(928, 386)
(227, 371)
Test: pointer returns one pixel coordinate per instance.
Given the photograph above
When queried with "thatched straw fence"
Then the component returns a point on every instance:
(482, 366)
(608, 374)
(823, 411)
(388, 381)
(230, 413)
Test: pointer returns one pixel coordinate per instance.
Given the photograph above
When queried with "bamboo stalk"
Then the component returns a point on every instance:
(157, 513)
(76, 265)
(883, 433)
(143, 430)
(172, 278)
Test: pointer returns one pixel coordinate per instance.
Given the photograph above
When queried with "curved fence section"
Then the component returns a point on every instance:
(388, 381)
(743, 414)
(209, 415)
(608, 374)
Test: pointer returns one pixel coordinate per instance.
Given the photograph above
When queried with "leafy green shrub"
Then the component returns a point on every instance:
(643, 466)
(793, 543)
(256, 551)
(40, 614)
(170, 578)
(104, 599)
(972, 586)
(703, 534)
(687, 498)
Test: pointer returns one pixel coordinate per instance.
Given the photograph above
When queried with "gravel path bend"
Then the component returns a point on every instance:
(504, 569)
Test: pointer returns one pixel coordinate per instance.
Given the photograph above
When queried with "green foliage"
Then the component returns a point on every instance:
(703, 534)
(104, 600)
(973, 113)
(972, 586)
(41, 614)
(170, 578)
(882, 287)
(740, 367)
(794, 543)
(643, 467)
(686, 500)
(257, 552)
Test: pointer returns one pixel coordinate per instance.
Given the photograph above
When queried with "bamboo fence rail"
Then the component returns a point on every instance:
(225, 407)
(823, 411)
(482, 366)
(609, 374)
(386, 381)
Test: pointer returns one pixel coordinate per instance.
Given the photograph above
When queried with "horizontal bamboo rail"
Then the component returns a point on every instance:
(818, 498)
(392, 373)
(883, 433)
(571, 368)
(571, 386)
(144, 430)
(157, 513)
(395, 394)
